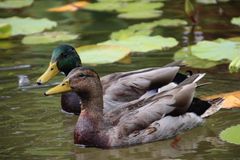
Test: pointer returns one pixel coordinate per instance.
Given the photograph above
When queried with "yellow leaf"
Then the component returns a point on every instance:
(231, 99)
(69, 7)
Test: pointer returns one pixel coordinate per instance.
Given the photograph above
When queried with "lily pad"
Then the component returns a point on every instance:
(211, 1)
(171, 22)
(140, 7)
(123, 6)
(25, 26)
(103, 6)
(146, 28)
(5, 30)
(192, 61)
(123, 34)
(231, 134)
(144, 43)
(217, 50)
(236, 21)
(11, 4)
(48, 37)
(141, 14)
(102, 54)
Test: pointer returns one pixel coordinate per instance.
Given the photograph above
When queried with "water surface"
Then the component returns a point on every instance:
(33, 127)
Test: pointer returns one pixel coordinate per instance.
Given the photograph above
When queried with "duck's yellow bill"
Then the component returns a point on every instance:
(51, 71)
(61, 88)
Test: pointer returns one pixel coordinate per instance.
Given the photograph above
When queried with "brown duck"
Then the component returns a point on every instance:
(150, 118)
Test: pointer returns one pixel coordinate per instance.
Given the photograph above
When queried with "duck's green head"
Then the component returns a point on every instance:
(64, 59)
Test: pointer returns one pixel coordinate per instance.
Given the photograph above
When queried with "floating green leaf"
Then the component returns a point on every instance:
(25, 26)
(217, 50)
(103, 6)
(170, 22)
(126, 33)
(146, 28)
(48, 37)
(11, 4)
(211, 1)
(143, 29)
(101, 54)
(231, 134)
(123, 6)
(130, 1)
(140, 7)
(144, 43)
(192, 61)
(5, 30)
(236, 21)
(141, 14)
(234, 66)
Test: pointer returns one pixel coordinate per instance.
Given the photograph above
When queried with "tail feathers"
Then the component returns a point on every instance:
(216, 105)
(205, 108)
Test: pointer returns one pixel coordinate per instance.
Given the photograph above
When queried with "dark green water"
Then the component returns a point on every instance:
(33, 127)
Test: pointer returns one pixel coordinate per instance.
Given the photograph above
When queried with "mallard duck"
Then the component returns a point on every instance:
(130, 85)
(147, 119)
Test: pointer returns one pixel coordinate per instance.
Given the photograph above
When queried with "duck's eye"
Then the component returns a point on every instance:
(82, 75)
(64, 55)
(71, 49)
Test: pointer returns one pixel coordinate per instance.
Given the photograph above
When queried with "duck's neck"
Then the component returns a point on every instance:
(90, 120)
(92, 103)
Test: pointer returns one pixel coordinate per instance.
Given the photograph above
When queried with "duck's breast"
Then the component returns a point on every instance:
(88, 132)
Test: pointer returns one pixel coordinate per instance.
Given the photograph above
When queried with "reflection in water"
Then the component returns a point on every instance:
(15, 67)
(192, 34)
(33, 127)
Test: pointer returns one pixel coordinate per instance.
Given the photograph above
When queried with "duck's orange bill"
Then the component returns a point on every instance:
(61, 88)
(51, 71)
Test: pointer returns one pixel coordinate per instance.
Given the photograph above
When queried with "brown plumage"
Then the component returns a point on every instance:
(145, 119)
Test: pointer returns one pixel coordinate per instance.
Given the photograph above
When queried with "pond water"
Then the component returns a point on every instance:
(33, 127)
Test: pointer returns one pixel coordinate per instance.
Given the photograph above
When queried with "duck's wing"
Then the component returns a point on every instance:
(164, 128)
(170, 126)
(152, 121)
(110, 79)
(125, 87)
(163, 92)
(155, 108)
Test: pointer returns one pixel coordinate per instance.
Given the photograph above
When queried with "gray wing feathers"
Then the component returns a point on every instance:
(175, 101)
(157, 107)
(135, 85)
(131, 87)
(164, 128)
(142, 117)
(151, 118)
